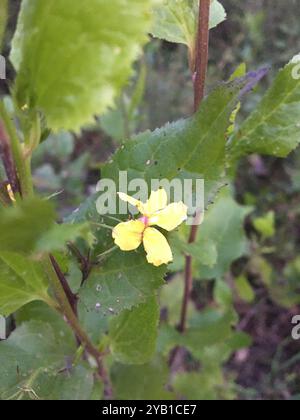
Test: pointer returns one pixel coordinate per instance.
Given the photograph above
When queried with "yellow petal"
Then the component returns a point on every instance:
(158, 200)
(134, 202)
(157, 247)
(170, 217)
(129, 235)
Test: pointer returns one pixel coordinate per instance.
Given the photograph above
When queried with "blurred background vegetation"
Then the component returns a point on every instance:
(267, 281)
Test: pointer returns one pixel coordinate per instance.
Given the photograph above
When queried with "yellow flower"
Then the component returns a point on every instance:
(155, 212)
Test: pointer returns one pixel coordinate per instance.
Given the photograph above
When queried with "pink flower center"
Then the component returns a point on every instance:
(144, 220)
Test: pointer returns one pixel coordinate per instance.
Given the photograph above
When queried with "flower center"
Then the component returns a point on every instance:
(144, 220)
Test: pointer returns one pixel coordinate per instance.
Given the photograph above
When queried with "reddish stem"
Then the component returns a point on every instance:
(201, 64)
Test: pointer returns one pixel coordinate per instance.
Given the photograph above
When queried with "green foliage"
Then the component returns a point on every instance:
(21, 281)
(159, 154)
(272, 128)
(223, 224)
(3, 19)
(71, 88)
(123, 281)
(133, 333)
(36, 363)
(24, 224)
(265, 225)
(138, 382)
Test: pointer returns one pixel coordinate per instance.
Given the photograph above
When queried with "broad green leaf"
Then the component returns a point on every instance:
(3, 19)
(176, 20)
(123, 281)
(75, 76)
(36, 363)
(21, 281)
(23, 225)
(223, 224)
(273, 127)
(187, 148)
(73, 385)
(145, 382)
(133, 334)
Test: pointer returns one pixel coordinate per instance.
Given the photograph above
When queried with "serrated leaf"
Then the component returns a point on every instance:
(24, 224)
(133, 334)
(146, 382)
(21, 281)
(75, 76)
(195, 146)
(176, 20)
(273, 127)
(123, 281)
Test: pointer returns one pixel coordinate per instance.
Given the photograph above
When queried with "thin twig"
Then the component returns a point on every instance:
(199, 89)
(72, 298)
(67, 310)
(8, 162)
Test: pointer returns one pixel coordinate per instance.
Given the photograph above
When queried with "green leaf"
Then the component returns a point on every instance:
(3, 19)
(31, 349)
(176, 20)
(23, 225)
(209, 385)
(57, 237)
(133, 334)
(146, 382)
(244, 289)
(75, 76)
(223, 224)
(171, 299)
(272, 128)
(74, 385)
(36, 363)
(160, 154)
(123, 281)
(21, 281)
(265, 225)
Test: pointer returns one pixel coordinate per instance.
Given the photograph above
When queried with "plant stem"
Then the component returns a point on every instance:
(199, 89)
(8, 162)
(22, 164)
(70, 316)
(202, 44)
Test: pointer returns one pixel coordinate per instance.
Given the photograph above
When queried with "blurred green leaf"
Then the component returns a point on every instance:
(101, 42)
(223, 224)
(244, 289)
(272, 128)
(21, 281)
(145, 382)
(3, 19)
(133, 334)
(176, 20)
(24, 224)
(265, 225)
